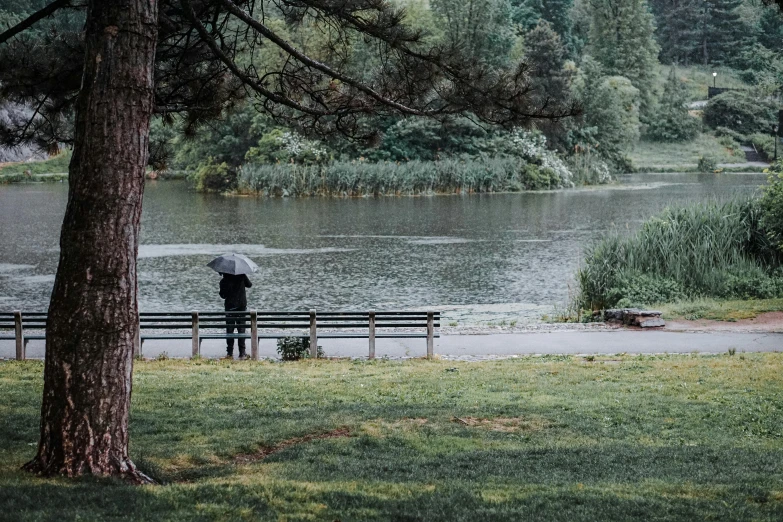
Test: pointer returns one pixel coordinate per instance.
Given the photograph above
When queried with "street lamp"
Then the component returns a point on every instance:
(714, 79)
(775, 135)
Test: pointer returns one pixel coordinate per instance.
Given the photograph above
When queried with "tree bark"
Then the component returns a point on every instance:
(94, 305)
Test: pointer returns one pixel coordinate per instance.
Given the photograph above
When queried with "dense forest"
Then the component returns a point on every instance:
(629, 67)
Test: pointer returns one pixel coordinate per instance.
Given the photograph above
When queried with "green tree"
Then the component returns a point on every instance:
(622, 40)
(610, 121)
(771, 29)
(724, 34)
(527, 13)
(186, 59)
(545, 54)
(480, 29)
(671, 121)
(677, 29)
(741, 111)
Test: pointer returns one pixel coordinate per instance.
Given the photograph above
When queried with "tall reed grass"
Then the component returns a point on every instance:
(704, 250)
(497, 174)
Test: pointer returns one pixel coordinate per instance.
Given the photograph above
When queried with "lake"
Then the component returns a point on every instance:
(518, 251)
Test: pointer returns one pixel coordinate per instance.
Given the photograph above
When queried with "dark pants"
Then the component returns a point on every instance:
(238, 324)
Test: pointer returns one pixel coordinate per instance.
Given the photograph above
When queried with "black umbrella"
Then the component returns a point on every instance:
(234, 264)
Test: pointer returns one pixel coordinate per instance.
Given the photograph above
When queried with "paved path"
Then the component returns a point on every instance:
(477, 346)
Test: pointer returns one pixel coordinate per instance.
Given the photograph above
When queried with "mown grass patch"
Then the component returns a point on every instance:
(720, 310)
(55, 165)
(683, 156)
(698, 79)
(546, 438)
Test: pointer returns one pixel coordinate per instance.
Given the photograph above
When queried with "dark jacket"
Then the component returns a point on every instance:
(232, 289)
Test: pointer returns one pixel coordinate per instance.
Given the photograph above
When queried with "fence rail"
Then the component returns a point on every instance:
(308, 325)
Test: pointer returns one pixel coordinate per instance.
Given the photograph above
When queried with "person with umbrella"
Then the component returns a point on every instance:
(234, 269)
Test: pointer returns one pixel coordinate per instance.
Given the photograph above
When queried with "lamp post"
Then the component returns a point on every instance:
(714, 79)
(775, 135)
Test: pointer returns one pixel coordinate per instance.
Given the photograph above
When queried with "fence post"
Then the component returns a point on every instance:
(137, 339)
(254, 335)
(430, 333)
(313, 336)
(372, 334)
(195, 341)
(19, 334)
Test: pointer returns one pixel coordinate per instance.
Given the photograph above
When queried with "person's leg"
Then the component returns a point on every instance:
(229, 340)
(241, 342)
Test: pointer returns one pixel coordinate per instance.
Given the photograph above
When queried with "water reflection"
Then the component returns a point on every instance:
(352, 253)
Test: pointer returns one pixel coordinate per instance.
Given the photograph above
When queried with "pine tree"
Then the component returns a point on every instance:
(610, 121)
(622, 40)
(771, 29)
(671, 121)
(678, 29)
(482, 29)
(724, 35)
(545, 54)
(527, 13)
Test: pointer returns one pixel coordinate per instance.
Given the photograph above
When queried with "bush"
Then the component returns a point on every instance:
(707, 164)
(638, 289)
(213, 177)
(741, 112)
(709, 250)
(503, 173)
(772, 207)
(671, 122)
(764, 143)
(295, 348)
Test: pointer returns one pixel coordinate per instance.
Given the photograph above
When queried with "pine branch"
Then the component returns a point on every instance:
(33, 18)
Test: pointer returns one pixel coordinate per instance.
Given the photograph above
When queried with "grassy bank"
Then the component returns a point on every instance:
(554, 438)
(447, 176)
(648, 156)
(41, 170)
(714, 250)
(720, 310)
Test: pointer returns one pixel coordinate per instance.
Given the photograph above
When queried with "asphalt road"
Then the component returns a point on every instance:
(469, 346)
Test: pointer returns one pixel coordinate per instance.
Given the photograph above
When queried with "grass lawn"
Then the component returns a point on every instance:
(552, 438)
(56, 165)
(731, 310)
(698, 78)
(686, 154)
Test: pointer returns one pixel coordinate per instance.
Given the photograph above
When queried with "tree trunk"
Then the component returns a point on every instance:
(94, 305)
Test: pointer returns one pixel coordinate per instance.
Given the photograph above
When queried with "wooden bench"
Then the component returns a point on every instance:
(198, 326)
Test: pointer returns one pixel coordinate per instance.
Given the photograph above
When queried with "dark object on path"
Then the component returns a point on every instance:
(635, 317)
(233, 264)
(232, 289)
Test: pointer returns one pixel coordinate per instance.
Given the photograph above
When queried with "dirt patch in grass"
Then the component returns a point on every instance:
(505, 424)
(264, 452)
(764, 322)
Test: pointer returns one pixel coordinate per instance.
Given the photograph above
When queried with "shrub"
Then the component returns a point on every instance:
(671, 121)
(708, 250)
(772, 207)
(213, 177)
(638, 289)
(503, 173)
(707, 164)
(295, 348)
(741, 112)
(764, 143)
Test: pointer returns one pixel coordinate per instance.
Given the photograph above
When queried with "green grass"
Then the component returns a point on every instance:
(655, 156)
(698, 78)
(719, 310)
(551, 438)
(55, 165)
(716, 250)
(446, 176)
